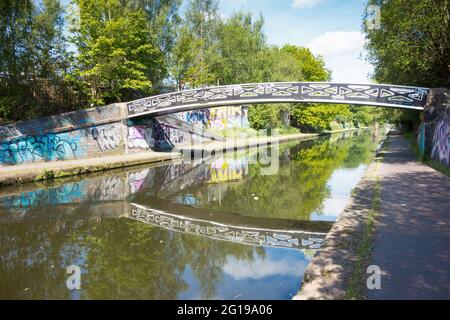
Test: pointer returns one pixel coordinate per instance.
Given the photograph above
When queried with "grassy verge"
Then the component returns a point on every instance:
(356, 289)
(436, 165)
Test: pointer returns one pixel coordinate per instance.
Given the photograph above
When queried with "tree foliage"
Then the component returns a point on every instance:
(412, 47)
(93, 52)
(116, 56)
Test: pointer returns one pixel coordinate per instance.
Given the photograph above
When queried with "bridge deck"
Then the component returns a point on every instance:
(281, 92)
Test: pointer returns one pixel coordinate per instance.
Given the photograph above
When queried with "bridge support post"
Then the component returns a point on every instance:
(434, 134)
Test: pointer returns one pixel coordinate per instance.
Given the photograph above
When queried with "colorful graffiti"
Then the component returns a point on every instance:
(217, 118)
(137, 179)
(228, 117)
(441, 142)
(32, 148)
(223, 170)
(151, 134)
(65, 194)
(140, 137)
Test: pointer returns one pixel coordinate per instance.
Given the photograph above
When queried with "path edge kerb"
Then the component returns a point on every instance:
(328, 274)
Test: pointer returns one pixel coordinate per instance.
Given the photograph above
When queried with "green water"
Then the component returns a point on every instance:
(238, 226)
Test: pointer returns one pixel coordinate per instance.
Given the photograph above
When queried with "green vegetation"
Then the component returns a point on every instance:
(412, 47)
(55, 59)
(356, 288)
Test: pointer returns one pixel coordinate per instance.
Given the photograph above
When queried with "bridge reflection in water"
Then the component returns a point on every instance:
(206, 229)
(246, 230)
(165, 182)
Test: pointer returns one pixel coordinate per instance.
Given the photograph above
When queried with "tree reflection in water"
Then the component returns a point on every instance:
(45, 228)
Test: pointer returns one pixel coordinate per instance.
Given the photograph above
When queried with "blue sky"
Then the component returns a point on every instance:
(331, 28)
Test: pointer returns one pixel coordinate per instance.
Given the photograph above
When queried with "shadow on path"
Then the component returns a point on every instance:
(412, 238)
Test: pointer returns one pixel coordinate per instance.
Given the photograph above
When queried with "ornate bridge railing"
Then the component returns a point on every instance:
(278, 92)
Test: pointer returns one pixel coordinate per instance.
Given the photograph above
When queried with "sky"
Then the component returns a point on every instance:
(331, 28)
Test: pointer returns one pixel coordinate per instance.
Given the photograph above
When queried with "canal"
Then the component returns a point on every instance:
(242, 225)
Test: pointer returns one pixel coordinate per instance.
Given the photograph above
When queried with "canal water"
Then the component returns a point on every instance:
(241, 225)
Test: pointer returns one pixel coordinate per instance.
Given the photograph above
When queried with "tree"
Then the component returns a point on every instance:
(242, 50)
(116, 56)
(201, 22)
(32, 59)
(412, 47)
(312, 67)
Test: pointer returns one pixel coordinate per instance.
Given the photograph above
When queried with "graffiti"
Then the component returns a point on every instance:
(441, 142)
(9, 131)
(109, 188)
(228, 117)
(107, 138)
(216, 118)
(198, 118)
(68, 193)
(223, 170)
(140, 137)
(34, 148)
(136, 180)
(245, 235)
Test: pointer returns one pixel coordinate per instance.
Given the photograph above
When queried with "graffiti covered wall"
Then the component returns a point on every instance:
(441, 142)
(106, 131)
(434, 132)
(75, 135)
(217, 118)
(150, 133)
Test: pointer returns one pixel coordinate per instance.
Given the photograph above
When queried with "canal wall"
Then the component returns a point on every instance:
(433, 136)
(107, 131)
(329, 274)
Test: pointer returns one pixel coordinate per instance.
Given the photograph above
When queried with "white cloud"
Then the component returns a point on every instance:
(338, 42)
(300, 4)
(342, 52)
(260, 268)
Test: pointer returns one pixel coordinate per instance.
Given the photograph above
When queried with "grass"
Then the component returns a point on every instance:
(356, 289)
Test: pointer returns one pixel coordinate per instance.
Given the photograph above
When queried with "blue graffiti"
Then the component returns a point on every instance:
(198, 116)
(66, 194)
(34, 148)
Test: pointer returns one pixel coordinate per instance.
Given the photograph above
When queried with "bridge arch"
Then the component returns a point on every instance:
(383, 95)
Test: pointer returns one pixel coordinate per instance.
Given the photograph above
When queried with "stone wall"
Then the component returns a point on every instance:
(108, 131)
(434, 132)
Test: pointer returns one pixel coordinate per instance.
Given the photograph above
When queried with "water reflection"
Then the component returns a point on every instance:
(214, 228)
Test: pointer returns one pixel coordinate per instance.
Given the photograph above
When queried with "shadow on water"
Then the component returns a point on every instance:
(213, 228)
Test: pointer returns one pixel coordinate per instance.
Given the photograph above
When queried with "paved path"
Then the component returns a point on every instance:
(412, 238)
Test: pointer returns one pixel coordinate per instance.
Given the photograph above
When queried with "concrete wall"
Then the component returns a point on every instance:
(79, 134)
(434, 133)
(107, 131)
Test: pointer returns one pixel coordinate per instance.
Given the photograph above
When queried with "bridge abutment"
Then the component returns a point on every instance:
(434, 132)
